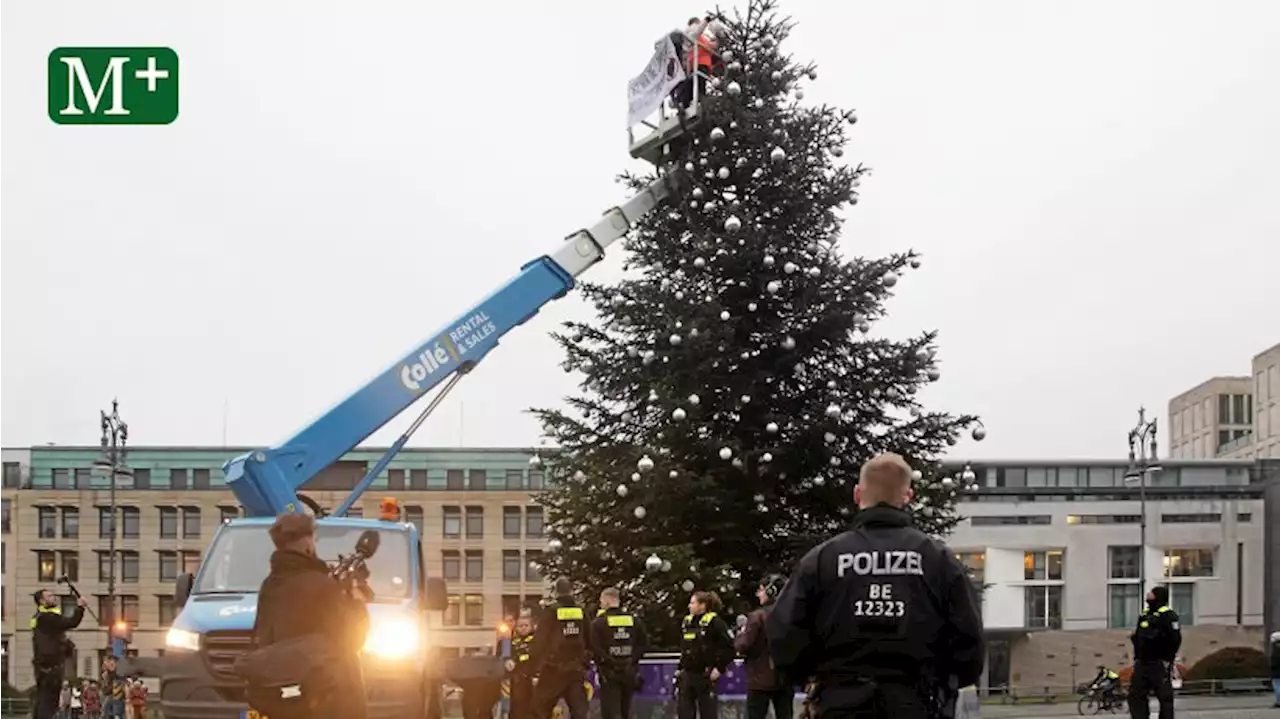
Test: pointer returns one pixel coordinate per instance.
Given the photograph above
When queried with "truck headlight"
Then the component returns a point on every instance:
(392, 638)
(183, 640)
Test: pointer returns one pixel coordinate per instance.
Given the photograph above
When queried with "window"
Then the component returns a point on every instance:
(511, 522)
(452, 522)
(533, 522)
(475, 522)
(142, 479)
(510, 606)
(190, 562)
(418, 479)
(12, 475)
(975, 563)
(1123, 563)
(71, 565)
(1041, 566)
(130, 522)
(190, 522)
(1103, 518)
(199, 479)
(1188, 563)
(474, 614)
(47, 520)
(129, 608)
(104, 523)
(1224, 409)
(104, 611)
(413, 515)
(1191, 518)
(453, 479)
(46, 566)
(533, 566)
(453, 611)
(477, 480)
(1123, 605)
(452, 565)
(515, 479)
(70, 522)
(395, 479)
(104, 566)
(226, 514)
(535, 480)
(62, 479)
(1044, 606)
(1182, 600)
(1011, 520)
(177, 479)
(129, 567)
(475, 565)
(166, 609)
(511, 565)
(168, 566)
(5, 509)
(168, 522)
(4, 656)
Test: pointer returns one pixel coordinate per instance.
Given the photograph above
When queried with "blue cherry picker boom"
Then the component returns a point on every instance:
(218, 603)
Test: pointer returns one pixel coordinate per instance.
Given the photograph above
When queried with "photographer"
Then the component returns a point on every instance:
(50, 648)
(309, 633)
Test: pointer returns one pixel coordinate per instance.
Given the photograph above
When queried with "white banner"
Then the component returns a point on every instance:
(646, 91)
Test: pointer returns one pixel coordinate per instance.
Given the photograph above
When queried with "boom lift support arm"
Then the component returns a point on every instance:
(266, 482)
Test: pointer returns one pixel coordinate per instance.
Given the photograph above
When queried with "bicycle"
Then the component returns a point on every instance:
(1095, 700)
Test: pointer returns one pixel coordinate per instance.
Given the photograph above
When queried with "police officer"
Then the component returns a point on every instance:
(50, 648)
(1156, 640)
(618, 643)
(706, 651)
(518, 676)
(560, 656)
(882, 616)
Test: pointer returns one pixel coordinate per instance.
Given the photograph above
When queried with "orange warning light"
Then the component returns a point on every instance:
(389, 510)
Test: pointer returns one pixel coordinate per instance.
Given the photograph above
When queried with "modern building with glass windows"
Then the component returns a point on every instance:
(473, 506)
(1064, 561)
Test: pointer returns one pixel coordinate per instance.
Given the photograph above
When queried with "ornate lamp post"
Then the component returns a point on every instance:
(1143, 461)
(111, 464)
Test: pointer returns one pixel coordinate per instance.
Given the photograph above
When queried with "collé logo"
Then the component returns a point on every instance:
(113, 85)
(428, 361)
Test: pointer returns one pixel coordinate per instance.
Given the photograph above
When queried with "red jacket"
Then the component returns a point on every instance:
(752, 645)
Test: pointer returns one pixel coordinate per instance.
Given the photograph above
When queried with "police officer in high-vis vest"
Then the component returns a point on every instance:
(560, 655)
(884, 617)
(50, 648)
(1155, 645)
(518, 676)
(706, 651)
(618, 642)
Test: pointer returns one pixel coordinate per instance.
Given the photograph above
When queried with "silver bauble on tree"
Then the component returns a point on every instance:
(687, 585)
(678, 414)
(778, 154)
(645, 464)
(716, 134)
(726, 453)
(771, 428)
(733, 224)
(890, 279)
(653, 563)
(833, 410)
(554, 545)
(734, 88)
(639, 512)
(622, 490)
(979, 434)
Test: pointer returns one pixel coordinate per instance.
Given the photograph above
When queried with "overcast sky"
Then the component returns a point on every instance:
(1093, 185)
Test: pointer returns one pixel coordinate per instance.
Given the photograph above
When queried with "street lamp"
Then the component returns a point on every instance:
(111, 464)
(1143, 461)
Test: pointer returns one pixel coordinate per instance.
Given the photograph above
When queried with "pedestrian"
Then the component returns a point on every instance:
(50, 649)
(618, 643)
(883, 617)
(518, 676)
(1156, 640)
(560, 654)
(706, 651)
(112, 690)
(1275, 665)
(765, 685)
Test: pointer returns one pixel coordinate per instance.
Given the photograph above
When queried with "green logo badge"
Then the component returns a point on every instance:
(113, 85)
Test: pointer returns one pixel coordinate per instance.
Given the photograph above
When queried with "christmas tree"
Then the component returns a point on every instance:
(734, 383)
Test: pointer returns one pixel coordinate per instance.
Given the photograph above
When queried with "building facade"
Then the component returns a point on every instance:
(483, 533)
(1064, 560)
(1230, 417)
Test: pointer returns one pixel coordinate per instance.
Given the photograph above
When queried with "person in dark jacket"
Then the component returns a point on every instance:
(1156, 640)
(618, 643)
(49, 650)
(706, 651)
(765, 686)
(299, 602)
(1275, 665)
(884, 617)
(560, 655)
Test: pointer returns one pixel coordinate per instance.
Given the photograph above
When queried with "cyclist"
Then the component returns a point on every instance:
(1107, 684)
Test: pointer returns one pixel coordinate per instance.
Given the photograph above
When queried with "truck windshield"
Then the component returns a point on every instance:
(240, 559)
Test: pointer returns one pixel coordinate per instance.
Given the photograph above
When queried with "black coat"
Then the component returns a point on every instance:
(299, 600)
(49, 636)
(1275, 660)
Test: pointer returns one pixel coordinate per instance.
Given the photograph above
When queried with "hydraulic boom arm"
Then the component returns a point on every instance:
(266, 482)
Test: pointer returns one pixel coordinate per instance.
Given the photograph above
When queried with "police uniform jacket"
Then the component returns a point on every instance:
(618, 642)
(1159, 633)
(521, 651)
(881, 601)
(562, 639)
(705, 644)
(49, 643)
